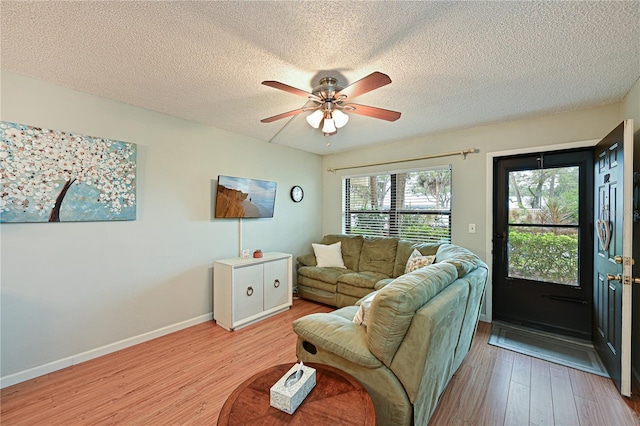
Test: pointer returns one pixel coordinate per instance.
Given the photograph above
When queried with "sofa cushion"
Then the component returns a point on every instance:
(348, 312)
(351, 248)
(417, 260)
(328, 275)
(404, 250)
(382, 283)
(393, 308)
(365, 279)
(349, 290)
(464, 260)
(343, 300)
(338, 335)
(317, 293)
(320, 285)
(328, 256)
(378, 255)
(307, 260)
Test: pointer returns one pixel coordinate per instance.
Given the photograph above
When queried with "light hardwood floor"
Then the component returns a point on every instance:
(184, 378)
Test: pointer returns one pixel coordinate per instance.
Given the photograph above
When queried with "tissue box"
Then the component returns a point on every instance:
(288, 399)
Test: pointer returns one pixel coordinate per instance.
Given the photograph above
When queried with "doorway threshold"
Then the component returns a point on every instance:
(568, 351)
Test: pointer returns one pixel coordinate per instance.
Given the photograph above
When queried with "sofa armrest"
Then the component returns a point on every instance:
(307, 260)
(337, 335)
(380, 284)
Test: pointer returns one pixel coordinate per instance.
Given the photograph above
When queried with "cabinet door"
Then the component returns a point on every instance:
(247, 292)
(276, 283)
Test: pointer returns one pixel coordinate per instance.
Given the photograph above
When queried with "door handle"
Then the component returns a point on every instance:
(614, 277)
(621, 260)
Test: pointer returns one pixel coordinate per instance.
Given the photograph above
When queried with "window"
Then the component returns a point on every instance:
(543, 225)
(413, 205)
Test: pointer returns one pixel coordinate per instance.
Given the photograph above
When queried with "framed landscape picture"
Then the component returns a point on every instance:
(53, 176)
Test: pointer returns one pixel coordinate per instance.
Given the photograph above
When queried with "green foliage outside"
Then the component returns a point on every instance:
(424, 228)
(426, 233)
(544, 195)
(369, 224)
(544, 257)
(419, 228)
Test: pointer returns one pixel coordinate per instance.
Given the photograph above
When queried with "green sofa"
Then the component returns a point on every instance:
(420, 327)
(371, 263)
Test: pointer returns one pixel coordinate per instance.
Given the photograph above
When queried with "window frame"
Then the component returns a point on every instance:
(393, 212)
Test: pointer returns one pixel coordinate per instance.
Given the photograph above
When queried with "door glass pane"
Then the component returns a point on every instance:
(543, 254)
(544, 196)
(537, 198)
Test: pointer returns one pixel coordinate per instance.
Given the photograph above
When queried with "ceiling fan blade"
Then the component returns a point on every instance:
(291, 89)
(369, 111)
(364, 85)
(284, 115)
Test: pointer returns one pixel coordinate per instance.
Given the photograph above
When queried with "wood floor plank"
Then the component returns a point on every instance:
(521, 369)
(582, 385)
(517, 411)
(185, 378)
(541, 409)
(616, 412)
(564, 405)
(494, 404)
(589, 413)
(463, 398)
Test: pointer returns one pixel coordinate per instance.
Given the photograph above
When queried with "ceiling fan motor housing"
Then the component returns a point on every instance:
(327, 88)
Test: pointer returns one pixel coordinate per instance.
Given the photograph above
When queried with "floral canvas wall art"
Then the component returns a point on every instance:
(53, 176)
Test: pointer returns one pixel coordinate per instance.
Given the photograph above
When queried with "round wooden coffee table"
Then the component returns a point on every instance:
(337, 399)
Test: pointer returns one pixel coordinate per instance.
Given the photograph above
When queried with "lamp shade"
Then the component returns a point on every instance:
(329, 126)
(315, 118)
(340, 118)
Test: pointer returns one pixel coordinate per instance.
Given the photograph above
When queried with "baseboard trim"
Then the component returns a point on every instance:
(484, 318)
(50, 367)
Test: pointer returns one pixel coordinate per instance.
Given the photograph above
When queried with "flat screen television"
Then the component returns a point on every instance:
(238, 197)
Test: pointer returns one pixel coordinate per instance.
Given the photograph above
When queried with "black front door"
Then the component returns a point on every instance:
(613, 252)
(542, 271)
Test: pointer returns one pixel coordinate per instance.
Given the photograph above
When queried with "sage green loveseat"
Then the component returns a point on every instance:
(371, 263)
(420, 327)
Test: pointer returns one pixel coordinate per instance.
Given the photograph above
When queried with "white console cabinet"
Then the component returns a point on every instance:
(248, 290)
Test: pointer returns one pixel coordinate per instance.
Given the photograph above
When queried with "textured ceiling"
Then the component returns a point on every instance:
(453, 64)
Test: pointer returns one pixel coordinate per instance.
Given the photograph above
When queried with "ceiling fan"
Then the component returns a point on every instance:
(330, 100)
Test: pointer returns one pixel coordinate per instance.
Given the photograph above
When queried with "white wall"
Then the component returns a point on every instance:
(71, 291)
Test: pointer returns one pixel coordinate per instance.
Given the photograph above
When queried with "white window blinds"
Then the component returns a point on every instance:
(414, 205)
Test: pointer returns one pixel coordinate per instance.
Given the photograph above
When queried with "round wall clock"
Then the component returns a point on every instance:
(297, 194)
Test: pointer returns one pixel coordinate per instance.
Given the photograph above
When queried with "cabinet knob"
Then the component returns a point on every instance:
(276, 283)
(249, 291)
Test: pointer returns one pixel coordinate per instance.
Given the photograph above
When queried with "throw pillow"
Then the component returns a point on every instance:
(329, 256)
(362, 316)
(417, 260)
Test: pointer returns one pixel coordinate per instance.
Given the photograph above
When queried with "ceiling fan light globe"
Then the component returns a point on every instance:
(329, 126)
(340, 118)
(315, 118)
